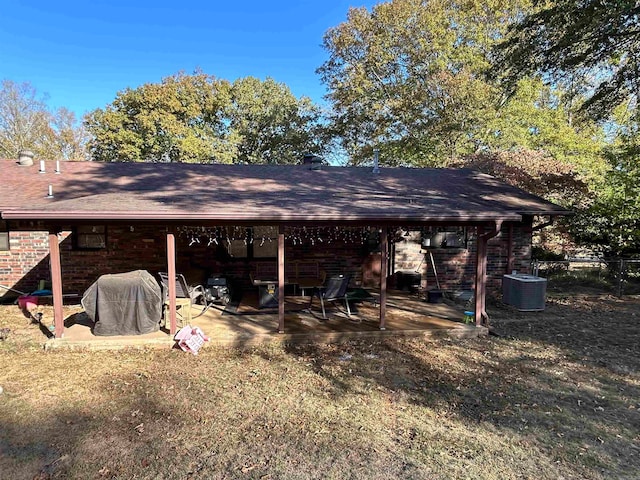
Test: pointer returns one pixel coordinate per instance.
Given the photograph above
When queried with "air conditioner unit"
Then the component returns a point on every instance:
(525, 292)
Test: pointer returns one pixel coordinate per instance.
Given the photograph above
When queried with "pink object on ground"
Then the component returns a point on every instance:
(190, 339)
(28, 302)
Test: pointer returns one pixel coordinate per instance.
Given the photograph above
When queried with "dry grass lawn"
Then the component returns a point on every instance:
(555, 396)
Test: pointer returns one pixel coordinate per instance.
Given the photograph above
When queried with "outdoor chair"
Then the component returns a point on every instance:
(185, 295)
(335, 290)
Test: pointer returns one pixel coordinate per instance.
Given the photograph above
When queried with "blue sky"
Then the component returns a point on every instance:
(82, 53)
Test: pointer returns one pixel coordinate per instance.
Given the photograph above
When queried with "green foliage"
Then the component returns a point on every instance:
(594, 47)
(535, 118)
(540, 253)
(611, 225)
(180, 119)
(272, 125)
(408, 78)
(573, 40)
(26, 123)
(198, 118)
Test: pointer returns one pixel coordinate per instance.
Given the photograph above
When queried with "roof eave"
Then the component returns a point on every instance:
(244, 217)
(553, 213)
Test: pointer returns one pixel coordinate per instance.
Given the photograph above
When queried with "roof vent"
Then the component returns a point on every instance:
(308, 158)
(376, 154)
(25, 158)
(316, 163)
(313, 161)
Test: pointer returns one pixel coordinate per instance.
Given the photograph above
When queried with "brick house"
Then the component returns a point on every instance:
(70, 222)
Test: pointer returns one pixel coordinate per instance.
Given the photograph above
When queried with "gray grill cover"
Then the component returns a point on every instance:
(124, 304)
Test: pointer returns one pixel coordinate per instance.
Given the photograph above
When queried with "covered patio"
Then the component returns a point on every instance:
(131, 210)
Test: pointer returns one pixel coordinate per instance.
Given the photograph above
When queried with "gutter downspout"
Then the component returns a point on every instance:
(481, 272)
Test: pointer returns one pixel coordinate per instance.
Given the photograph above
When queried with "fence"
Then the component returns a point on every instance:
(620, 276)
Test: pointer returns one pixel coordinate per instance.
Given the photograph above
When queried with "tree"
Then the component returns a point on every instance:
(198, 118)
(180, 119)
(568, 39)
(535, 119)
(26, 123)
(24, 120)
(610, 224)
(594, 47)
(272, 125)
(534, 171)
(407, 77)
(69, 138)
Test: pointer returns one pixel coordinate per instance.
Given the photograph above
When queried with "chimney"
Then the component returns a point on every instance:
(25, 158)
(307, 159)
(376, 154)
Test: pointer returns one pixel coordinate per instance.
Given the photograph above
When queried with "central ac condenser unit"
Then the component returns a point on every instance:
(525, 292)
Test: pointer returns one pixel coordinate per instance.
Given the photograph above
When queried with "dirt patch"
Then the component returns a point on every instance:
(555, 396)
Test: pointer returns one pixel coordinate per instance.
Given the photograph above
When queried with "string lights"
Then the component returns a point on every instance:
(297, 236)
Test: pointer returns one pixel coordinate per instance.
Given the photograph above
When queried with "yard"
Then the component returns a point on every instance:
(556, 395)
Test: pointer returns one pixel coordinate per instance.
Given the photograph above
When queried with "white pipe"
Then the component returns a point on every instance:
(42, 170)
(58, 166)
(376, 154)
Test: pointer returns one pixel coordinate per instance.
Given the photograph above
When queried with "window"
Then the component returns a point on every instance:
(91, 237)
(4, 235)
(445, 237)
(258, 242)
(238, 248)
(265, 242)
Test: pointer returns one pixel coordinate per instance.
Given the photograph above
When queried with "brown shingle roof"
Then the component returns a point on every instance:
(148, 191)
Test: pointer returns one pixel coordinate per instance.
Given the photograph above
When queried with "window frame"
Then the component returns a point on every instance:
(77, 235)
(247, 244)
(4, 233)
(444, 234)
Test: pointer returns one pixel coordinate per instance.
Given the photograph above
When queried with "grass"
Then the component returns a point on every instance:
(556, 395)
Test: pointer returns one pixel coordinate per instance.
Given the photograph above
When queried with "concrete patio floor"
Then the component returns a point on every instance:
(243, 324)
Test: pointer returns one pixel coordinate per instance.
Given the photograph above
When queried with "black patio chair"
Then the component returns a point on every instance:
(335, 290)
(183, 290)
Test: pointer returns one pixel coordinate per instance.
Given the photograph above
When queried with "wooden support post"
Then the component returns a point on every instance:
(171, 272)
(481, 271)
(56, 283)
(481, 280)
(281, 279)
(384, 259)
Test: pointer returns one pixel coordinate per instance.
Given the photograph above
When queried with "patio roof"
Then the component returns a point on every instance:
(260, 193)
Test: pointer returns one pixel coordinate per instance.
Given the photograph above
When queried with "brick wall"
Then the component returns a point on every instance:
(456, 266)
(200, 260)
(144, 247)
(26, 261)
